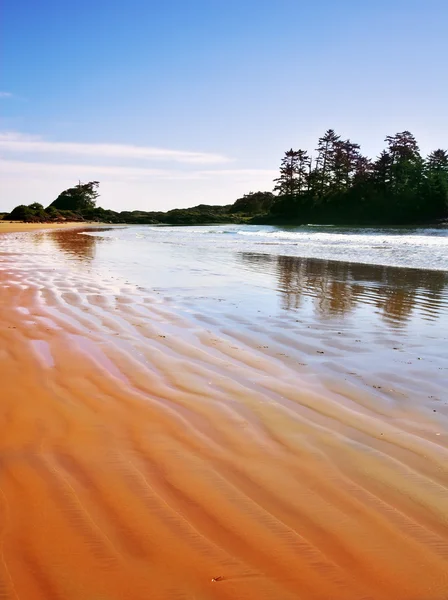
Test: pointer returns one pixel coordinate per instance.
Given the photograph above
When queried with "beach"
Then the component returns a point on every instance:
(223, 419)
(15, 226)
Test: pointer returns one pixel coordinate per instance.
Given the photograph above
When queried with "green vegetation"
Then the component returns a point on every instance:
(35, 213)
(79, 204)
(338, 185)
(78, 199)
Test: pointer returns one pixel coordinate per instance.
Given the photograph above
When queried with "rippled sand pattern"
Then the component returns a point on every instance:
(143, 457)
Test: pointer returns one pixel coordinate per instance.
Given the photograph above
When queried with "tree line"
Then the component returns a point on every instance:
(70, 205)
(79, 203)
(339, 184)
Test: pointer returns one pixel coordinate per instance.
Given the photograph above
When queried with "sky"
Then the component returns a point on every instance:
(177, 103)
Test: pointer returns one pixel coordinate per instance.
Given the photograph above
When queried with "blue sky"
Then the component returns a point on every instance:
(194, 101)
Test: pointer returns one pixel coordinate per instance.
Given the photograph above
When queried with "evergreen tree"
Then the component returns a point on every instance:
(345, 186)
(293, 173)
(293, 183)
(80, 198)
(326, 150)
(253, 203)
(402, 146)
(406, 175)
(435, 194)
(345, 160)
(303, 169)
(363, 170)
(382, 170)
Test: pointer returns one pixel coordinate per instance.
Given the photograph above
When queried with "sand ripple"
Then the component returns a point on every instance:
(143, 456)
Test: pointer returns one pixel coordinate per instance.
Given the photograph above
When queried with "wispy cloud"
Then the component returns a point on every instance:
(44, 170)
(6, 95)
(19, 143)
(36, 169)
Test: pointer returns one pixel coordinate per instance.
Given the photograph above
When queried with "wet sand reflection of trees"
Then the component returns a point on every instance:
(339, 287)
(74, 244)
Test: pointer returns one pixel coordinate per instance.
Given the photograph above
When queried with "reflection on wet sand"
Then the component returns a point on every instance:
(339, 287)
(74, 244)
(142, 456)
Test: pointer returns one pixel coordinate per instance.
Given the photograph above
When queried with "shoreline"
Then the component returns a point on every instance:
(18, 226)
(144, 457)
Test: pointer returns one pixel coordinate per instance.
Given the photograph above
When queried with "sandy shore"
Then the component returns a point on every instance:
(14, 226)
(141, 458)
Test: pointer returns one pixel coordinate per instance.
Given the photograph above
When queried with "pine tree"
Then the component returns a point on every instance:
(79, 198)
(436, 184)
(345, 159)
(325, 161)
(363, 170)
(345, 186)
(382, 170)
(304, 165)
(406, 175)
(293, 173)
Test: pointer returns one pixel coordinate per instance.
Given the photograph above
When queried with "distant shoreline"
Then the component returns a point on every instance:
(19, 226)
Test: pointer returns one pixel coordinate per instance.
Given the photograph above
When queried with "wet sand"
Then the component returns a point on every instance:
(15, 226)
(142, 456)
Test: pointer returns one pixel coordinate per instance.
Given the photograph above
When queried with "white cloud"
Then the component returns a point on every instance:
(34, 169)
(6, 95)
(129, 188)
(44, 170)
(13, 142)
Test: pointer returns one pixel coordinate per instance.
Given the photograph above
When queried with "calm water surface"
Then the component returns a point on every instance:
(365, 307)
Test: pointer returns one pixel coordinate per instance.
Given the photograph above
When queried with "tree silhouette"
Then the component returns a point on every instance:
(400, 186)
(292, 173)
(325, 161)
(79, 198)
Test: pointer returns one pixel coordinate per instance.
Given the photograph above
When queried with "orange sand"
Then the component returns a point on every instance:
(15, 226)
(136, 477)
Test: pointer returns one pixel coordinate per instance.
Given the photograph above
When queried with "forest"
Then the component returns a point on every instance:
(336, 184)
